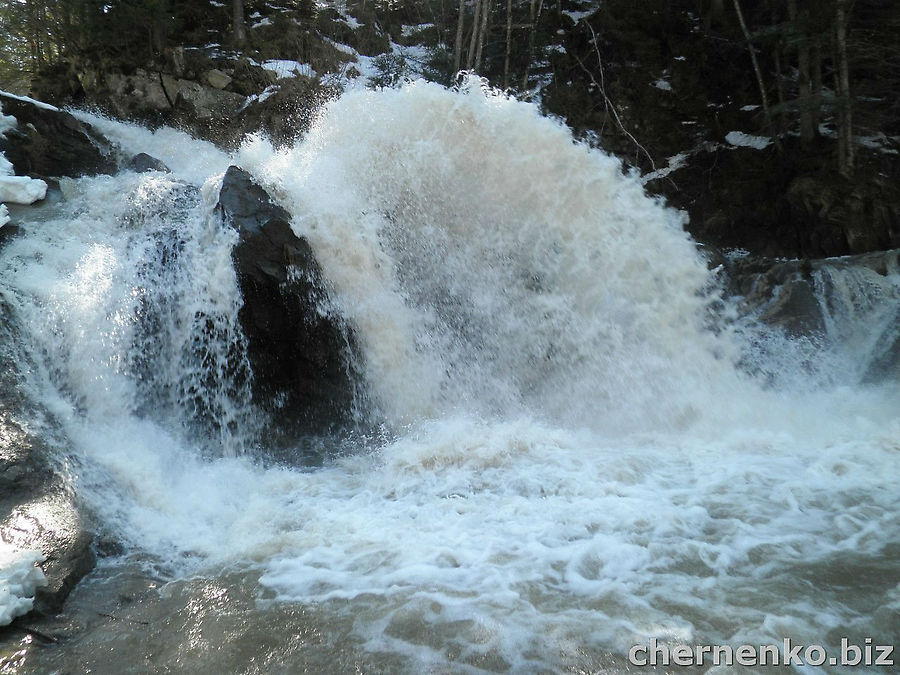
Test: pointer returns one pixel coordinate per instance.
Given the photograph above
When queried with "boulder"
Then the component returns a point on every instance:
(829, 299)
(136, 95)
(143, 162)
(207, 102)
(217, 79)
(53, 524)
(51, 142)
(301, 351)
(781, 293)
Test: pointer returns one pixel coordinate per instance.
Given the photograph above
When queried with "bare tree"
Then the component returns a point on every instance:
(535, 17)
(842, 78)
(807, 128)
(457, 58)
(486, 12)
(474, 39)
(508, 43)
(759, 77)
(237, 17)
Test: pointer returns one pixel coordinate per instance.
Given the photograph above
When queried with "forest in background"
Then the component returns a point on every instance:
(661, 83)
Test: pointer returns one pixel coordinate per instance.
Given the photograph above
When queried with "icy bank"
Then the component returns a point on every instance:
(19, 577)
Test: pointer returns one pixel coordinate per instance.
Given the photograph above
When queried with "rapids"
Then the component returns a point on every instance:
(573, 442)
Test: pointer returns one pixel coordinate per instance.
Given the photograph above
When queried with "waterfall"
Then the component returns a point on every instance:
(585, 442)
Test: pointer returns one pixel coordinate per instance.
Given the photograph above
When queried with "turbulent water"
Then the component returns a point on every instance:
(581, 445)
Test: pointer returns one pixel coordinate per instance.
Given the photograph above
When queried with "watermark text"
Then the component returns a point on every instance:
(785, 654)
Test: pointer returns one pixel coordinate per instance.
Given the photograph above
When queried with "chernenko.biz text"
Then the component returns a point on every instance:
(785, 654)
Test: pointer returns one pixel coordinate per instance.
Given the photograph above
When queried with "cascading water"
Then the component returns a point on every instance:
(575, 461)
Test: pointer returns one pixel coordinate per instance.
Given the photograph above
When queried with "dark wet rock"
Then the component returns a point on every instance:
(142, 162)
(50, 142)
(299, 348)
(8, 232)
(841, 216)
(781, 292)
(39, 511)
(807, 297)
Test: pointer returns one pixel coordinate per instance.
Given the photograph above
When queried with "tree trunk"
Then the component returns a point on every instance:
(807, 131)
(845, 131)
(816, 55)
(508, 43)
(759, 78)
(715, 13)
(237, 16)
(474, 39)
(535, 18)
(457, 59)
(486, 6)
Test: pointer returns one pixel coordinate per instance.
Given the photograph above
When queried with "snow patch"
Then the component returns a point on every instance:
(673, 163)
(408, 31)
(880, 142)
(578, 16)
(4, 215)
(262, 96)
(741, 140)
(662, 84)
(7, 122)
(39, 104)
(284, 68)
(19, 576)
(265, 21)
(21, 189)
(749, 108)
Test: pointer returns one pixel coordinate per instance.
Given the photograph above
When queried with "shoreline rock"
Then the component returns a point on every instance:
(51, 143)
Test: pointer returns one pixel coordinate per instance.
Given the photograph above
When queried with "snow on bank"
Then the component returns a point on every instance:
(284, 68)
(674, 163)
(741, 140)
(17, 189)
(19, 577)
(21, 189)
(39, 104)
